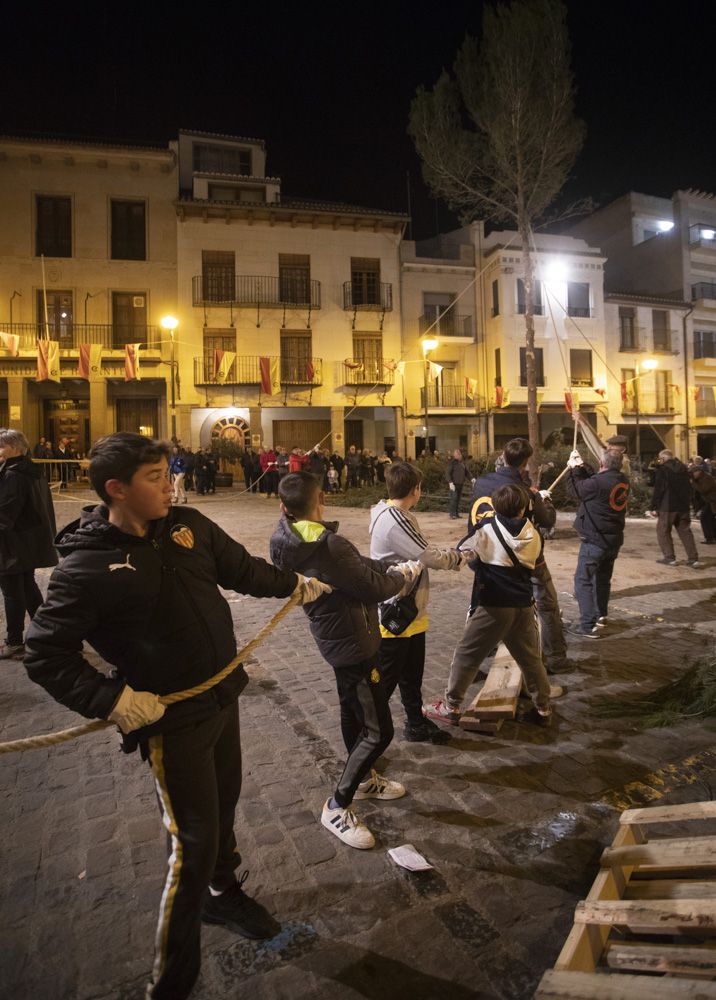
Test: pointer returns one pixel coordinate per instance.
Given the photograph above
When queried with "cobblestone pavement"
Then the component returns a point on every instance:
(514, 824)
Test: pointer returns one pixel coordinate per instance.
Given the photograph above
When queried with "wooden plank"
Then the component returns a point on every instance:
(670, 814)
(583, 947)
(667, 915)
(643, 956)
(670, 888)
(593, 986)
(475, 725)
(676, 852)
(497, 699)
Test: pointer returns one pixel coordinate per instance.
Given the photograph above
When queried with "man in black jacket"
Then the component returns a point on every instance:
(671, 503)
(541, 513)
(456, 474)
(27, 531)
(344, 624)
(139, 582)
(600, 524)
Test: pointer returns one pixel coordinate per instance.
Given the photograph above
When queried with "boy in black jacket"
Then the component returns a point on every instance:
(139, 581)
(344, 624)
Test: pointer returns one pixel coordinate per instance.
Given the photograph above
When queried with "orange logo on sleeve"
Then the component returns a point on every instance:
(619, 496)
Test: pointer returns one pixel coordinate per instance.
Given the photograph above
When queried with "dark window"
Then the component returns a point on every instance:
(294, 278)
(580, 366)
(218, 340)
(495, 298)
(368, 349)
(539, 366)
(59, 316)
(295, 356)
(537, 307)
(365, 281)
(628, 340)
(138, 416)
(704, 343)
(218, 278)
(53, 233)
(129, 230)
(498, 366)
(578, 298)
(129, 318)
(660, 326)
(221, 159)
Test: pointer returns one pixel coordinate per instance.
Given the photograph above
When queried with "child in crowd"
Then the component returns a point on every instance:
(395, 534)
(504, 548)
(344, 624)
(332, 478)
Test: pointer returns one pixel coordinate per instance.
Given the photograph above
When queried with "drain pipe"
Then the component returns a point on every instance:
(684, 317)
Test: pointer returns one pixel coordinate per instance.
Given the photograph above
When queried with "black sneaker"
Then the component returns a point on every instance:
(426, 732)
(240, 913)
(560, 667)
(8, 652)
(584, 633)
(668, 562)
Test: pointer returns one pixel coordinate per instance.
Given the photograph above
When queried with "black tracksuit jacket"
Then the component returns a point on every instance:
(150, 607)
(602, 512)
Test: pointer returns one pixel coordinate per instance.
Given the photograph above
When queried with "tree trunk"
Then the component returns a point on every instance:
(530, 366)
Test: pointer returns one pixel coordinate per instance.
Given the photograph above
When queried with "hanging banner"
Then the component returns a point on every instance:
(471, 387)
(48, 361)
(434, 369)
(502, 396)
(270, 376)
(601, 392)
(90, 360)
(571, 402)
(400, 368)
(310, 371)
(131, 363)
(223, 360)
(11, 343)
(540, 398)
(623, 391)
(675, 387)
(696, 393)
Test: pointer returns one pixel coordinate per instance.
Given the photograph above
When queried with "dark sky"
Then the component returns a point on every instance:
(328, 86)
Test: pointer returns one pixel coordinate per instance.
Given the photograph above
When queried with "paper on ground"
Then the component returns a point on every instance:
(407, 857)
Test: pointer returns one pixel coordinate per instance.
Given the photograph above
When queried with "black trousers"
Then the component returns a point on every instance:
(708, 523)
(366, 724)
(197, 773)
(21, 596)
(402, 662)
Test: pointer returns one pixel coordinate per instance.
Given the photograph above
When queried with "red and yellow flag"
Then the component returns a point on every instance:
(131, 363)
(90, 360)
(223, 360)
(48, 361)
(11, 343)
(270, 376)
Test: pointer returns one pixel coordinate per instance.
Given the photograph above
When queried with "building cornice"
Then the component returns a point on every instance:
(291, 212)
(646, 298)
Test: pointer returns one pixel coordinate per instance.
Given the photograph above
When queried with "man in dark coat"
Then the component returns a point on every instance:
(600, 524)
(704, 497)
(27, 530)
(456, 474)
(671, 503)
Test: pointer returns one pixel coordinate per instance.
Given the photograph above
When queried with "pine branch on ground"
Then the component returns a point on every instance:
(692, 696)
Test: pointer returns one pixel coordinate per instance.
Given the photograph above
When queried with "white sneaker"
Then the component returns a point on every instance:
(602, 621)
(347, 828)
(555, 691)
(378, 787)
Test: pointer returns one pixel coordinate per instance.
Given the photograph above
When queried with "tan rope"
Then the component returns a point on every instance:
(62, 736)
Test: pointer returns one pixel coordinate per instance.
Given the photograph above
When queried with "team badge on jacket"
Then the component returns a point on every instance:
(182, 536)
(374, 676)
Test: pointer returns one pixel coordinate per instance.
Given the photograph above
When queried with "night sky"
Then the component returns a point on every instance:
(329, 86)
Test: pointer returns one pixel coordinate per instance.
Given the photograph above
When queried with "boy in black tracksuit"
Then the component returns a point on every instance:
(139, 581)
(344, 624)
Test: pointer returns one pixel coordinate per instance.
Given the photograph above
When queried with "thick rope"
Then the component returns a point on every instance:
(62, 736)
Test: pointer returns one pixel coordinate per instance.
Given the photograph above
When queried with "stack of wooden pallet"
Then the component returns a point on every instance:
(647, 929)
(497, 699)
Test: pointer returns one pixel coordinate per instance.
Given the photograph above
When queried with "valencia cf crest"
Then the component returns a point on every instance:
(374, 676)
(183, 536)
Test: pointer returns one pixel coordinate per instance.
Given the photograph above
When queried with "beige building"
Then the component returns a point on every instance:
(666, 248)
(102, 219)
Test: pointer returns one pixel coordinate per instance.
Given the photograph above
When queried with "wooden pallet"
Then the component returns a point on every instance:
(497, 699)
(663, 888)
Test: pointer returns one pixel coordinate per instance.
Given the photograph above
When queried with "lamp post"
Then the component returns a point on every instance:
(429, 344)
(648, 365)
(170, 323)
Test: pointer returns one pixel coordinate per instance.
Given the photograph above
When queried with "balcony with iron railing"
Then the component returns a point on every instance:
(364, 371)
(652, 403)
(374, 296)
(111, 336)
(255, 290)
(451, 397)
(706, 408)
(246, 370)
(704, 289)
(449, 324)
(703, 234)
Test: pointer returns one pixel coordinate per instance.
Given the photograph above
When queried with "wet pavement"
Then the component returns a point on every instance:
(514, 823)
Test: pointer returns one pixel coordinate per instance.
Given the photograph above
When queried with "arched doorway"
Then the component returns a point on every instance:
(229, 437)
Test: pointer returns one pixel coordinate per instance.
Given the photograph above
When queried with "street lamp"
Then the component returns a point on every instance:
(170, 323)
(647, 365)
(428, 344)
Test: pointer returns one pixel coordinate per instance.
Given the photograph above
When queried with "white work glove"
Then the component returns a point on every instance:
(545, 494)
(452, 487)
(574, 460)
(466, 557)
(409, 570)
(310, 589)
(134, 709)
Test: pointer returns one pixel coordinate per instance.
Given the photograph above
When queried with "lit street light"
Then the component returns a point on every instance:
(429, 344)
(648, 365)
(170, 323)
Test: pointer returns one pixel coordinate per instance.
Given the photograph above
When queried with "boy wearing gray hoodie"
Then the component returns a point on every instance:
(395, 536)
